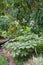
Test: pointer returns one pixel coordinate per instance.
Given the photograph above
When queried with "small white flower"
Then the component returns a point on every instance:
(16, 22)
(32, 22)
(24, 21)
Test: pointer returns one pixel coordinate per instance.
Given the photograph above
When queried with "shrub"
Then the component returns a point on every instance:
(24, 45)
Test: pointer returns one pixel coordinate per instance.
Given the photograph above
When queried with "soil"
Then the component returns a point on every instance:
(2, 40)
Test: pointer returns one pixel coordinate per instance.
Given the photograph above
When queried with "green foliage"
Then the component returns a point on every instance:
(40, 47)
(4, 22)
(27, 9)
(35, 61)
(22, 11)
(24, 45)
(3, 61)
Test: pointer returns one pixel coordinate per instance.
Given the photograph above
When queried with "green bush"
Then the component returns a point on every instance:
(24, 45)
(5, 22)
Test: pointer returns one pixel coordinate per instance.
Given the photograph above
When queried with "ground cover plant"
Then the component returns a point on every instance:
(25, 47)
(3, 60)
(21, 23)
